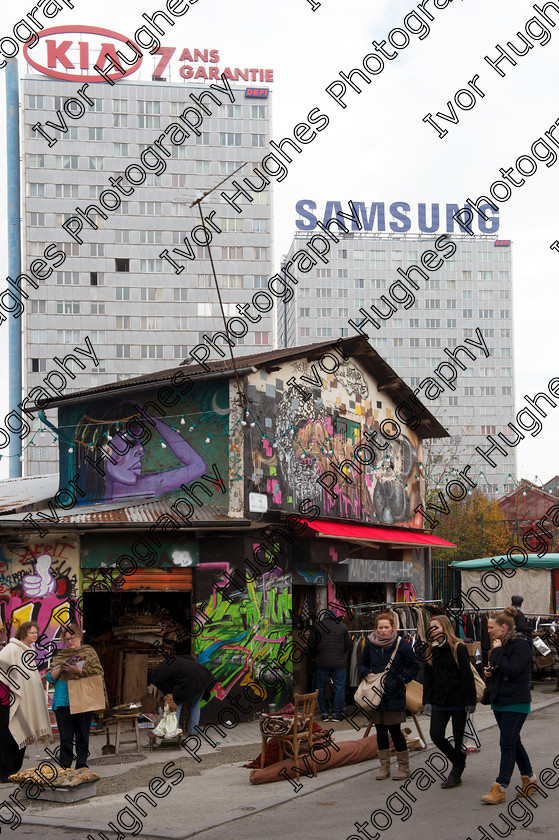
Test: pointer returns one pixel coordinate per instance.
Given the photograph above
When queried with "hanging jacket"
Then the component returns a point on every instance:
(446, 682)
(512, 670)
(403, 669)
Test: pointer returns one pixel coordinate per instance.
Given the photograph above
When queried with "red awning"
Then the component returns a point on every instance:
(401, 536)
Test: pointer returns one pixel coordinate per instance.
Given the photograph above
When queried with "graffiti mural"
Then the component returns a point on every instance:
(38, 583)
(146, 449)
(307, 441)
(241, 637)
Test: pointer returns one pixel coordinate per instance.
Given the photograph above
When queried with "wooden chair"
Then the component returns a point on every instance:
(305, 705)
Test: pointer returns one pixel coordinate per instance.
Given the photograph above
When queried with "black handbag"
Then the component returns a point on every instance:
(485, 700)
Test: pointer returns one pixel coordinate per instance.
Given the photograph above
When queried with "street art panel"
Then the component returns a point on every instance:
(308, 449)
(243, 633)
(39, 582)
(138, 446)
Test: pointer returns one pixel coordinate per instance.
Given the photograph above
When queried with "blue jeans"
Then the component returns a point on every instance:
(338, 678)
(194, 715)
(512, 749)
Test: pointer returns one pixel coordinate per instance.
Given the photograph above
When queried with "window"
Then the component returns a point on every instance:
(66, 161)
(432, 284)
(38, 336)
(487, 390)
(453, 400)
(97, 104)
(504, 313)
(504, 294)
(257, 140)
(95, 134)
(486, 313)
(151, 266)
(149, 208)
(304, 312)
(259, 198)
(487, 371)
(120, 149)
(432, 323)
(67, 307)
(122, 322)
(122, 236)
(229, 225)
(467, 313)
(96, 278)
(97, 308)
(35, 101)
(122, 265)
(231, 253)
(202, 140)
(202, 167)
(342, 293)
(451, 284)
(489, 430)
(151, 237)
(378, 259)
(178, 294)
(451, 323)
(38, 365)
(325, 312)
(120, 121)
(204, 309)
(97, 337)
(323, 332)
(467, 294)
(38, 307)
(343, 313)
(342, 273)
(149, 114)
(229, 138)
(67, 191)
(414, 342)
(469, 391)
(261, 254)
(432, 342)
(67, 278)
(323, 273)
(226, 167)
(399, 322)
(398, 342)
(180, 351)
(232, 281)
(488, 333)
(36, 190)
(506, 371)
(36, 161)
(485, 275)
(305, 332)
(153, 294)
(179, 152)
(324, 293)
(234, 111)
(260, 281)
(122, 351)
(67, 336)
(37, 219)
(451, 304)
(506, 391)
(151, 351)
(359, 283)
(261, 338)
(122, 293)
(178, 209)
(414, 323)
(504, 275)
(505, 333)
(94, 163)
(258, 112)
(259, 225)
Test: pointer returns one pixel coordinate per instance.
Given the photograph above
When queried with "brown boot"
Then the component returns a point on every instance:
(384, 772)
(496, 796)
(529, 786)
(403, 765)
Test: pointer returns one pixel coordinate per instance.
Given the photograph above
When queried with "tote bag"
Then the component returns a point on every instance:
(414, 697)
(480, 685)
(370, 689)
(86, 694)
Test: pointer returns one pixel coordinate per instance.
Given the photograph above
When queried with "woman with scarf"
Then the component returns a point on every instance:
(75, 661)
(391, 712)
(509, 675)
(449, 692)
(24, 716)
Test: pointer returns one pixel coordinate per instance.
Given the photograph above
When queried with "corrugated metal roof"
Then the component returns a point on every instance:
(20, 493)
(357, 347)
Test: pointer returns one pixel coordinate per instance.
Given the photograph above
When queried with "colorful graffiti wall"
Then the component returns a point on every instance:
(154, 444)
(37, 582)
(306, 440)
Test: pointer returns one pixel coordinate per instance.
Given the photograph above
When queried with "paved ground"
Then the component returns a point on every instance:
(215, 800)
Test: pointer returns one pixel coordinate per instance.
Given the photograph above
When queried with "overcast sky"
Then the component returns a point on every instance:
(378, 148)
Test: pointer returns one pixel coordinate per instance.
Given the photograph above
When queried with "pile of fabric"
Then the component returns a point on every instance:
(58, 779)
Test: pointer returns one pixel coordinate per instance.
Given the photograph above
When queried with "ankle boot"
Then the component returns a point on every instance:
(403, 765)
(384, 772)
(496, 795)
(529, 786)
(454, 778)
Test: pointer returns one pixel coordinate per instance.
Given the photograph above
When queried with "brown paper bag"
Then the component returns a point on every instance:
(414, 697)
(86, 694)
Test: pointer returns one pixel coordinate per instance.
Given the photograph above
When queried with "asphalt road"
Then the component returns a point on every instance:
(437, 814)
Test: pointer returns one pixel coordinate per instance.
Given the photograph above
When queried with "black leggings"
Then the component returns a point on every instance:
(439, 722)
(398, 738)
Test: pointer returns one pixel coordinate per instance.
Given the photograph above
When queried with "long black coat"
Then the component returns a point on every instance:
(403, 669)
(447, 683)
(182, 677)
(512, 669)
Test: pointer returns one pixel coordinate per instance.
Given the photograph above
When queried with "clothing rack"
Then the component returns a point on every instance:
(419, 603)
(404, 629)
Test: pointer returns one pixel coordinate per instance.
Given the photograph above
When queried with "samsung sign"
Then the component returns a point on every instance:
(398, 217)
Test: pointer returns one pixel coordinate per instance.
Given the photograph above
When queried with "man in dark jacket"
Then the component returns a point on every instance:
(187, 681)
(330, 644)
(520, 624)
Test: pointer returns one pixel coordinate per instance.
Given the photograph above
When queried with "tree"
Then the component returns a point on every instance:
(477, 528)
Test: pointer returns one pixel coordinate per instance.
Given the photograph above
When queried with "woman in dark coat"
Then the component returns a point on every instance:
(391, 711)
(509, 673)
(187, 681)
(449, 692)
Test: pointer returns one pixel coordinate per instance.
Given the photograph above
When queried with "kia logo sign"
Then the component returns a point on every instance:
(64, 58)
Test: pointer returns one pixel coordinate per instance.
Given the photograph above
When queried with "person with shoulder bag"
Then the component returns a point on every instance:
(390, 713)
(509, 675)
(449, 693)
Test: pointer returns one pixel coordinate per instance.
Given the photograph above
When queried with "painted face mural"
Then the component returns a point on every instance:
(142, 448)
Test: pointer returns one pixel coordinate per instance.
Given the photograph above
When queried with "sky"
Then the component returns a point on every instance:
(378, 148)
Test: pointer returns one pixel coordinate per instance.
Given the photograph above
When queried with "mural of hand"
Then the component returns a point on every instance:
(42, 582)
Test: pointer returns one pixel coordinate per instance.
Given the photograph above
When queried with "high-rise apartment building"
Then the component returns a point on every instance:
(420, 329)
(140, 311)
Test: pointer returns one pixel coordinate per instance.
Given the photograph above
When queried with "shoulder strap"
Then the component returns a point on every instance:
(394, 652)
